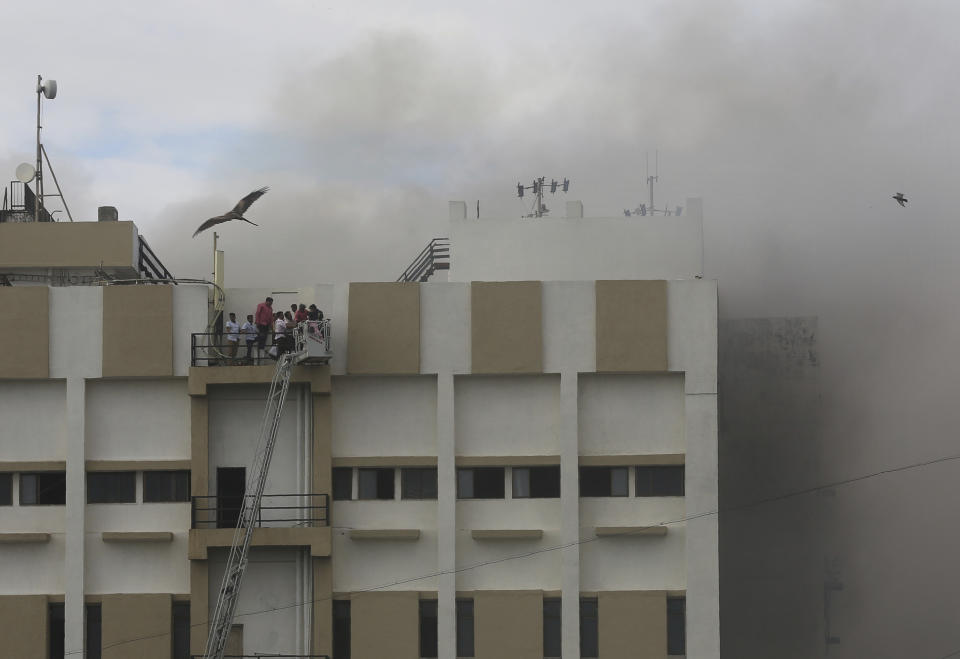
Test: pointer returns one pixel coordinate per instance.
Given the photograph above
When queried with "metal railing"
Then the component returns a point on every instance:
(213, 349)
(149, 266)
(263, 654)
(435, 256)
(276, 511)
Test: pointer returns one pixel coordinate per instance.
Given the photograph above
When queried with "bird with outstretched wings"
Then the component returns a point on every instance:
(900, 199)
(236, 213)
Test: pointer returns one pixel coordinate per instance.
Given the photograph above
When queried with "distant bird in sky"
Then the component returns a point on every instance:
(900, 199)
(236, 213)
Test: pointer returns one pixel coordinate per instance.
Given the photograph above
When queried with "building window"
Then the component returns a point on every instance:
(589, 632)
(552, 624)
(480, 483)
(55, 630)
(47, 488)
(418, 483)
(166, 486)
(660, 481)
(676, 625)
(181, 630)
(375, 483)
(6, 489)
(603, 481)
(94, 643)
(341, 629)
(536, 482)
(112, 487)
(428, 628)
(342, 483)
(464, 628)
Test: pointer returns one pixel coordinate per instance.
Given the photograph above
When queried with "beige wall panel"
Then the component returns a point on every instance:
(508, 624)
(385, 624)
(322, 625)
(23, 626)
(506, 321)
(26, 331)
(631, 326)
(199, 606)
(137, 626)
(383, 328)
(67, 244)
(632, 624)
(137, 331)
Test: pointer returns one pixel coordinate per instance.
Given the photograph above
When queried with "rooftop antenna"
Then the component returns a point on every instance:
(538, 187)
(649, 208)
(45, 89)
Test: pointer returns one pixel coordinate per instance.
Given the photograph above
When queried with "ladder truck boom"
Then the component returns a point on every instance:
(222, 620)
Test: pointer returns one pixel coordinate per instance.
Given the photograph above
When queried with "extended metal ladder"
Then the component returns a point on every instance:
(222, 620)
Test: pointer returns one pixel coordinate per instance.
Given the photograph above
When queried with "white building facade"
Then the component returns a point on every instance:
(520, 461)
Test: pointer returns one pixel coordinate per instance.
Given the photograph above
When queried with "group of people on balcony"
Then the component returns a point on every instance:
(263, 324)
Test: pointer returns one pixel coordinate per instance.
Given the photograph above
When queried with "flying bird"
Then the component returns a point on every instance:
(900, 199)
(236, 213)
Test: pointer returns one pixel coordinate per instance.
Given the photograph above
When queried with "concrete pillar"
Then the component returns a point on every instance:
(570, 513)
(446, 519)
(75, 527)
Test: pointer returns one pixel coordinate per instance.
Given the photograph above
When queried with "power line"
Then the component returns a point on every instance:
(759, 502)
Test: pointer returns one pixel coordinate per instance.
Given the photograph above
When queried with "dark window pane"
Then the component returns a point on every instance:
(589, 646)
(112, 487)
(181, 630)
(342, 483)
(341, 629)
(375, 483)
(482, 483)
(603, 481)
(551, 627)
(55, 630)
(166, 486)
(464, 628)
(418, 483)
(6, 489)
(536, 482)
(428, 628)
(676, 625)
(93, 643)
(660, 481)
(43, 489)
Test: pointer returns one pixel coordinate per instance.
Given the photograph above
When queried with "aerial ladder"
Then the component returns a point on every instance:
(311, 346)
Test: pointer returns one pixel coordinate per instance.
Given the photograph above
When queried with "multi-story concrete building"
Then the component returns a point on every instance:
(520, 461)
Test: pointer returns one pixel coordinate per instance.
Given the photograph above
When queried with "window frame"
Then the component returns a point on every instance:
(473, 471)
(421, 493)
(180, 617)
(651, 487)
(611, 480)
(97, 475)
(381, 476)
(340, 612)
(37, 475)
(6, 488)
(557, 616)
(529, 471)
(424, 618)
(677, 646)
(588, 603)
(93, 624)
(462, 604)
(178, 488)
(337, 483)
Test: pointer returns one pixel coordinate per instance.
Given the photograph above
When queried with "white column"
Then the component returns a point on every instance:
(75, 509)
(570, 509)
(446, 520)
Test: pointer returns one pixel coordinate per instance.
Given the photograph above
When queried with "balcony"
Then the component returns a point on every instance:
(212, 348)
(284, 520)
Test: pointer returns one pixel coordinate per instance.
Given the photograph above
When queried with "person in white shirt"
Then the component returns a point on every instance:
(249, 332)
(233, 337)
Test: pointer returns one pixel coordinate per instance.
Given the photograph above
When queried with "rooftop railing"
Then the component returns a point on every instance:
(276, 511)
(213, 349)
(262, 654)
(435, 256)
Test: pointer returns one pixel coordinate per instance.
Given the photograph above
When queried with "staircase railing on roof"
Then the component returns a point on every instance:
(435, 256)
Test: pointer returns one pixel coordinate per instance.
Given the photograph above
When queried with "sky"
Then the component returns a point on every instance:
(795, 121)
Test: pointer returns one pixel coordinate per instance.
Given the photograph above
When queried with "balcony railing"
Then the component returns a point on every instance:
(276, 511)
(213, 349)
(261, 654)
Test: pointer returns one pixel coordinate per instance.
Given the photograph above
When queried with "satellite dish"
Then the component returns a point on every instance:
(25, 172)
(49, 88)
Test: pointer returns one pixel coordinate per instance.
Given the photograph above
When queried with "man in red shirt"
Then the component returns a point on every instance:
(264, 320)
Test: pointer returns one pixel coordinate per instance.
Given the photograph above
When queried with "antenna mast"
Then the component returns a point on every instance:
(539, 210)
(645, 209)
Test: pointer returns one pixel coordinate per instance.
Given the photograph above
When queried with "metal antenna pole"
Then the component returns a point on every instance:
(39, 195)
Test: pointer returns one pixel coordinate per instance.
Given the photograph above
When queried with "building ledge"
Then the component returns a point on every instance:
(200, 377)
(632, 460)
(507, 534)
(384, 534)
(137, 536)
(23, 538)
(315, 537)
(625, 531)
